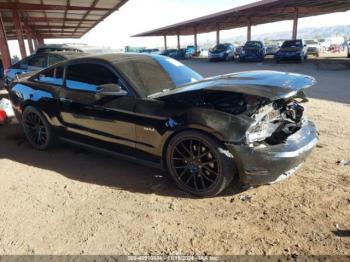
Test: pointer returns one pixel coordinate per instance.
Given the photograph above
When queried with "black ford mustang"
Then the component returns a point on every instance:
(154, 109)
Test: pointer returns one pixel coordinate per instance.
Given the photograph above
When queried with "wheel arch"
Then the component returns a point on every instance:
(32, 103)
(205, 131)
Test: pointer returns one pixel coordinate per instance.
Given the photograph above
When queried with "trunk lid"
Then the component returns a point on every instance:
(273, 85)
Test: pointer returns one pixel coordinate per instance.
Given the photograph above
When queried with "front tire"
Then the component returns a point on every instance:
(37, 129)
(199, 164)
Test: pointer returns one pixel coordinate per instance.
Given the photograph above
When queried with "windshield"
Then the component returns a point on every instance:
(294, 43)
(253, 44)
(179, 73)
(220, 47)
(153, 74)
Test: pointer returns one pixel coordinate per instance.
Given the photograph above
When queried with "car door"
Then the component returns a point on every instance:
(89, 114)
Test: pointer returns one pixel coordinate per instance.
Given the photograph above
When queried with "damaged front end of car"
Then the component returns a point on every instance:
(276, 144)
(260, 117)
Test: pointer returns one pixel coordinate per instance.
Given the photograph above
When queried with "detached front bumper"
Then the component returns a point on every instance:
(271, 163)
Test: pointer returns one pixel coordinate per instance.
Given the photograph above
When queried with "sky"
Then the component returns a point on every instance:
(137, 16)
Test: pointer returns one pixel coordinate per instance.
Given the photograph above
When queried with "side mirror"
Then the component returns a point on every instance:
(111, 90)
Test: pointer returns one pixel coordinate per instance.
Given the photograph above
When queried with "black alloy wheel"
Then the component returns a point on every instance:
(36, 128)
(197, 166)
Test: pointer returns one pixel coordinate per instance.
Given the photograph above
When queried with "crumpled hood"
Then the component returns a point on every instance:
(268, 84)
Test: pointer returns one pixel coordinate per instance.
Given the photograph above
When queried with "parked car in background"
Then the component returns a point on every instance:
(167, 52)
(252, 51)
(335, 48)
(162, 113)
(192, 51)
(271, 49)
(35, 63)
(47, 48)
(154, 51)
(238, 50)
(292, 50)
(178, 54)
(313, 47)
(222, 52)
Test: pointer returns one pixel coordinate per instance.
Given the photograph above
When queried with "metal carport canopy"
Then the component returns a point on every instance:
(55, 18)
(36, 20)
(261, 12)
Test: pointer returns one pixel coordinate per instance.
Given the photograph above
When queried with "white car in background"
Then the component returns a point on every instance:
(313, 47)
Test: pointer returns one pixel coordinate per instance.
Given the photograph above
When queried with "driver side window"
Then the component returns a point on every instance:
(53, 76)
(89, 76)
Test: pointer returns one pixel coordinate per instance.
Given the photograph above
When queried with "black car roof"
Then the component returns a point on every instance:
(115, 58)
(67, 55)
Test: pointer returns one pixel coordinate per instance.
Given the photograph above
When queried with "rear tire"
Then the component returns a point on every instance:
(199, 164)
(37, 129)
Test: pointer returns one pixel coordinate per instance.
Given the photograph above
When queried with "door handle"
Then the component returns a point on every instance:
(66, 100)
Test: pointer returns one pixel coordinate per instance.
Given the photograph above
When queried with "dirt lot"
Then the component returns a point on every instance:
(69, 201)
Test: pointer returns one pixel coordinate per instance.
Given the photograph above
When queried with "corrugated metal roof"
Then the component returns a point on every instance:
(261, 12)
(56, 18)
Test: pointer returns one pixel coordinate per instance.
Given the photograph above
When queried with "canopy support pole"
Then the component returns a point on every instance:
(195, 42)
(165, 43)
(19, 33)
(217, 34)
(40, 41)
(249, 30)
(30, 45)
(4, 48)
(36, 44)
(295, 24)
(178, 41)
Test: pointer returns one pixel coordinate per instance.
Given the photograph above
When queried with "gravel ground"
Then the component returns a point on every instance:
(70, 201)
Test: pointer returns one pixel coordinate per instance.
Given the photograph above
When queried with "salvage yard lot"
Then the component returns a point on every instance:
(70, 201)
